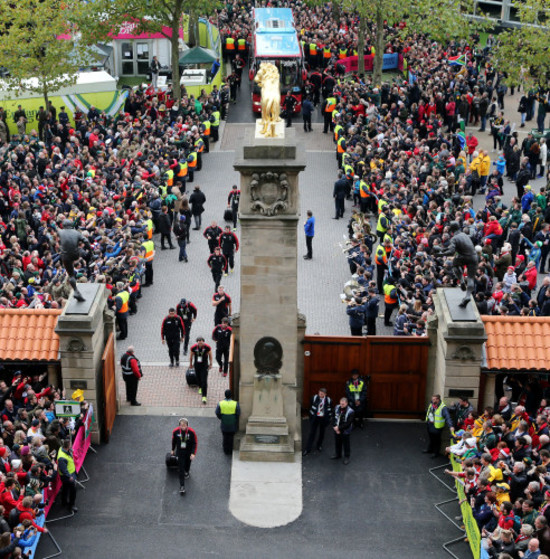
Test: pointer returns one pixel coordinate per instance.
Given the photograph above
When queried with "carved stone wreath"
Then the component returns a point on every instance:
(269, 193)
(76, 345)
(463, 353)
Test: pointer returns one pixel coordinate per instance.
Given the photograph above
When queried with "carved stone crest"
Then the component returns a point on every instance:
(76, 345)
(464, 353)
(269, 193)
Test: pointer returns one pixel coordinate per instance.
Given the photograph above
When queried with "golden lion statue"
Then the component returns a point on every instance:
(268, 79)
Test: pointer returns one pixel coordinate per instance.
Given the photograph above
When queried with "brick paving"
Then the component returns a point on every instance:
(165, 387)
(320, 281)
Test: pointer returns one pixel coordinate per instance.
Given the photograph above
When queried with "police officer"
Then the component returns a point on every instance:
(222, 336)
(172, 333)
(218, 265)
(229, 243)
(184, 446)
(342, 426)
(212, 235)
(201, 361)
(148, 248)
(188, 313)
(356, 393)
(391, 300)
(327, 108)
(320, 415)
(233, 202)
(132, 374)
(228, 412)
(384, 222)
(436, 417)
(67, 473)
(339, 194)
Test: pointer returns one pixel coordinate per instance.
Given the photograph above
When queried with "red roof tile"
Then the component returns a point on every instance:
(29, 335)
(517, 342)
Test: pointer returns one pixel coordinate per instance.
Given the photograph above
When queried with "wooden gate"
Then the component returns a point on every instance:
(396, 366)
(109, 387)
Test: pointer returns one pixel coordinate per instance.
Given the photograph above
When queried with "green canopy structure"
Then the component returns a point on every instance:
(198, 55)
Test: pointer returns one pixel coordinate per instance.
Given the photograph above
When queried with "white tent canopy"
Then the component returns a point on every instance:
(86, 82)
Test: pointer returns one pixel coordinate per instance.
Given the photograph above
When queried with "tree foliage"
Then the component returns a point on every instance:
(523, 53)
(38, 41)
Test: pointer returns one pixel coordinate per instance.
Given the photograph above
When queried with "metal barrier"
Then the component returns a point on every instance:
(439, 505)
(54, 541)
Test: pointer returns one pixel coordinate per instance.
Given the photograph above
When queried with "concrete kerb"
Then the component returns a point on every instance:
(167, 411)
(266, 494)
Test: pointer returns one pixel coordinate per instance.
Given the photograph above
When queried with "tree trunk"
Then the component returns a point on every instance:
(361, 45)
(336, 10)
(194, 39)
(177, 22)
(379, 46)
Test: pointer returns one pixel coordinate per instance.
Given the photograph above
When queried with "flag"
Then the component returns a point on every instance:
(88, 421)
(459, 60)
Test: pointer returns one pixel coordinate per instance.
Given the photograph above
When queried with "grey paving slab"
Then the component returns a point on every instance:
(380, 506)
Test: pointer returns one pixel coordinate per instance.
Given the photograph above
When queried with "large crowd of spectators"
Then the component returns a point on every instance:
(504, 455)
(109, 176)
(30, 438)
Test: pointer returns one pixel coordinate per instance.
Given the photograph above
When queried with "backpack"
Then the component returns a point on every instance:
(517, 524)
(13, 518)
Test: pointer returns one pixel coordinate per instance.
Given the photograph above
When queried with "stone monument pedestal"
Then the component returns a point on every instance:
(83, 329)
(269, 214)
(457, 336)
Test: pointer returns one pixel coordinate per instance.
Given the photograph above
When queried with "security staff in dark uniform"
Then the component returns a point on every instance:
(233, 202)
(320, 415)
(342, 425)
(222, 336)
(339, 194)
(356, 314)
(184, 446)
(356, 393)
(172, 333)
(188, 313)
(212, 235)
(201, 360)
(218, 265)
(229, 243)
(228, 412)
(132, 374)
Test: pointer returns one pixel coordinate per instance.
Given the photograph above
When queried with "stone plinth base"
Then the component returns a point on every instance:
(267, 434)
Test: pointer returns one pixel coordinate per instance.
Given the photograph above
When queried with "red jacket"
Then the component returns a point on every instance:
(472, 143)
(492, 228)
(530, 275)
(28, 514)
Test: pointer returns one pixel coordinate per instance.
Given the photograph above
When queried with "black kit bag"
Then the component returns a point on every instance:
(171, 461)
(191, 377)
(228, 215)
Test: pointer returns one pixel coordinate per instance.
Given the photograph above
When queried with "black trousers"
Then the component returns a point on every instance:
(235, 210)
(202, 377)
(68, 491)
(122, 319)
(184, 464)
(327, 125)
(228, 442)
(131, 382)
(230, 260)
(316, 423)
(148, 273)
(387, 312)
(132, 302)
(434, 436)
(341, 440)
(222, 357)
(217, 277)
(166, 237)
(187, 335)
(307, 123)
(309, 245)
(339, 205)
(371, 326)
(212, 244)
(173, 349)
(356, 330)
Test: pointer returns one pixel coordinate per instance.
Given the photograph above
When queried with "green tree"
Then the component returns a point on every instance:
(31, 47)
(161, 16)
(523, 53)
